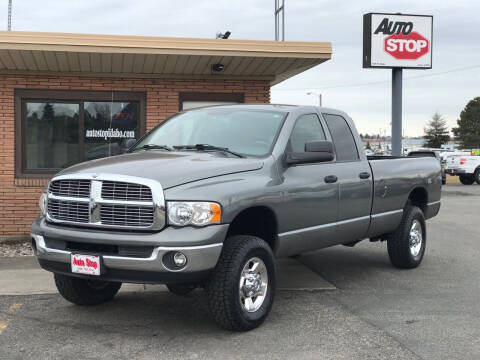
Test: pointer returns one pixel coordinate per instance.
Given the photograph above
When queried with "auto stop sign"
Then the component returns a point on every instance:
(406, 47)
(394, 40)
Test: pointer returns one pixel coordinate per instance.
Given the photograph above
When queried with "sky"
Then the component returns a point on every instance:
(365, 94)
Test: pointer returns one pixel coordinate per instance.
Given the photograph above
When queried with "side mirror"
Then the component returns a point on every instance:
(315, 151)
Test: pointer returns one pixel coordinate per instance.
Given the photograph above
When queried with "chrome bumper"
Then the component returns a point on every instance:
(199, 258)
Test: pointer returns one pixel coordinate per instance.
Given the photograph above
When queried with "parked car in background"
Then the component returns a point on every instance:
(210, 197)
(467, 167)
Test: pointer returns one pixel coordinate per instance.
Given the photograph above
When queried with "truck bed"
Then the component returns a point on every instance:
(394, 177)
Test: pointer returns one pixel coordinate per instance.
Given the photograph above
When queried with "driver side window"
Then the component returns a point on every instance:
(307, 128)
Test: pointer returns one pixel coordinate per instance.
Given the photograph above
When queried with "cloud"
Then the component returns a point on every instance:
(455, 45)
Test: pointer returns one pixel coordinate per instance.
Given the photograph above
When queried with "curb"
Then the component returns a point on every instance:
(14, 239)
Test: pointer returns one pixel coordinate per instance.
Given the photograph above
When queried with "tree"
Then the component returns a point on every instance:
(436, 131)
(468, 130)
(368, 147)
(48, 112)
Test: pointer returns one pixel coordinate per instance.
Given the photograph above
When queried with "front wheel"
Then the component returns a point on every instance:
(85, 291)
(242, 287)
(406, 245)
(467, 179)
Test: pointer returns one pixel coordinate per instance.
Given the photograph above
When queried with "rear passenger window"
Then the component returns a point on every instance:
(307, 128)
(342, 137)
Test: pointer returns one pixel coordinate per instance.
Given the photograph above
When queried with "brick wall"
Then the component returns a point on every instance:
(19, 197)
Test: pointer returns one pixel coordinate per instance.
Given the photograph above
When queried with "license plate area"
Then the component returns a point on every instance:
(85, 264)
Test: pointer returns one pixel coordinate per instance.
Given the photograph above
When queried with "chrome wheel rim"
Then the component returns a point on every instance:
(253, 284)
(415, 239)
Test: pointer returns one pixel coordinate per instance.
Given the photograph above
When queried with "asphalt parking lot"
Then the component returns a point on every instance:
(374, 311)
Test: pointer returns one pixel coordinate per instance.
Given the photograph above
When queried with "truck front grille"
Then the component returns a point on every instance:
(115, 190)
(126, 215)
(68, 210)
(102, 201)
(70, 188)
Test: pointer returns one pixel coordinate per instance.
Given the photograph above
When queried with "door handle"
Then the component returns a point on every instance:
(330, 179)
(364, 175)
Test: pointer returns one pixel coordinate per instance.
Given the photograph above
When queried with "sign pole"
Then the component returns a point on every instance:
(397, 111)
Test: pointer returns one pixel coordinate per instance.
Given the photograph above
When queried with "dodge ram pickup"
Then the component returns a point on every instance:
(212, 196)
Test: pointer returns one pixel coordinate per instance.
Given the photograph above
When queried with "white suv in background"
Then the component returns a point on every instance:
(467, 167)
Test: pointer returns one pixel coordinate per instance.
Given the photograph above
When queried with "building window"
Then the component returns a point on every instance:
(51, 135)
(55, 130)
(194, 100)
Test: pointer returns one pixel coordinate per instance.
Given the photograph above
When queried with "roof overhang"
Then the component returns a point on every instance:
(156, 57)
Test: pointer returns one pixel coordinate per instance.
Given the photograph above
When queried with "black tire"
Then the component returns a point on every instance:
(476, 176)
(399, 242)
(84, 291)
(223, 290)
(181, 289)
(466, 179)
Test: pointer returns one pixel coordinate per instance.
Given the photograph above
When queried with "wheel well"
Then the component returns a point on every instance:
(418, 197)
(259, 221)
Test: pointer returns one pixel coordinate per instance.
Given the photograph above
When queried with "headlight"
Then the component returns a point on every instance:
(182, 213)
(42, 202)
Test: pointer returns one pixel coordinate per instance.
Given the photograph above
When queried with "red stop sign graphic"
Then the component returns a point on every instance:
(406, 47)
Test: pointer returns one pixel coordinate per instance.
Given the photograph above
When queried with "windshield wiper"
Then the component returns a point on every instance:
(154, 146)
(206, 147)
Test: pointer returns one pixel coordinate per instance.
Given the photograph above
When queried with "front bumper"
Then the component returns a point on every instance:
(201, 246)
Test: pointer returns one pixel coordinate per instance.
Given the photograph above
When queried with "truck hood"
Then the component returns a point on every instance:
(169, 168)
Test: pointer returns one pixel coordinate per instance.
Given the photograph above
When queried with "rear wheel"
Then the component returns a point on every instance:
(242, 288)
(406, 245)
(466, 179)
(84, 291)
(476, 176)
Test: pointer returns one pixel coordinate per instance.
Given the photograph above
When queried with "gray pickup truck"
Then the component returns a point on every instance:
(210, 197)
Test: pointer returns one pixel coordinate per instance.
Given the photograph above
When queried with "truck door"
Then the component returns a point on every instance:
(354, 179)
(308, 212)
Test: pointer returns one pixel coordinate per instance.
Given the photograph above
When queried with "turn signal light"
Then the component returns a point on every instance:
(216, 213)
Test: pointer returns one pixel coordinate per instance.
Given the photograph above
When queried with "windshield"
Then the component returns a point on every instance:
(248, 132)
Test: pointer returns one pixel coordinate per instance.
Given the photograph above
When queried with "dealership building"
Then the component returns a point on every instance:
(68, 98)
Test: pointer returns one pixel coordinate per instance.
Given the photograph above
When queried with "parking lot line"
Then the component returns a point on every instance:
(3, 326)
(14, 307)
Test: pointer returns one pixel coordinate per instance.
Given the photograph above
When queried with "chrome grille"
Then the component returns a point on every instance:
(70, 188)
(115, 190)
(106, 201)
(126, 215)
(68, 210)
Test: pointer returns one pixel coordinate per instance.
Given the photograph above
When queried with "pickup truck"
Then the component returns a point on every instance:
(212, 196)
(466, 167)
